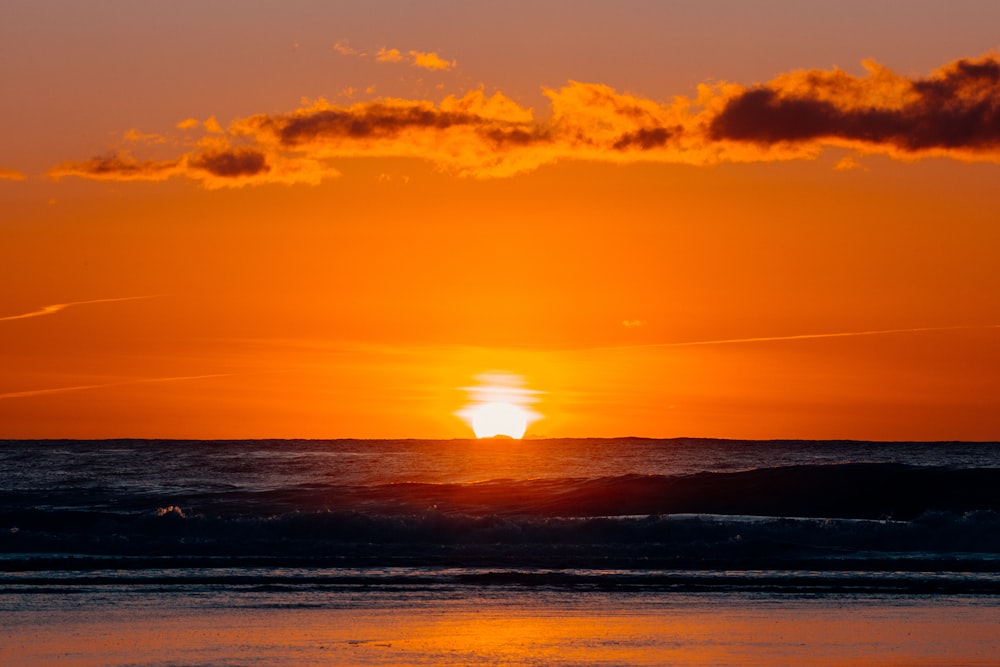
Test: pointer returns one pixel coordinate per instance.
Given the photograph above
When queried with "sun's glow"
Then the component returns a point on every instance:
(499, 406)
(493, 419)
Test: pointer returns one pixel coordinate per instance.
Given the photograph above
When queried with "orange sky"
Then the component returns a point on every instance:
(313, 220)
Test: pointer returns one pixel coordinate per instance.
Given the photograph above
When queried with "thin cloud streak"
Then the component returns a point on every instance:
(57, 307)
(771, 339)
(123, 383)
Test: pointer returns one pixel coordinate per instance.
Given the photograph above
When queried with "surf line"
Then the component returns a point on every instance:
(56, 307)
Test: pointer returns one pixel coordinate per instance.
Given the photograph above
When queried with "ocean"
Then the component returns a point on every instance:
(538, 528)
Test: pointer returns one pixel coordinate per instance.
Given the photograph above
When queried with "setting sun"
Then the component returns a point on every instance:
(498, 406)
(493, 419)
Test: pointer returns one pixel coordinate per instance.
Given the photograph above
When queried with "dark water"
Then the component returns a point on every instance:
(617, 514)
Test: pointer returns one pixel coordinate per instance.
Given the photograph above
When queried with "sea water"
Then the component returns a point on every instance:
(108, 539)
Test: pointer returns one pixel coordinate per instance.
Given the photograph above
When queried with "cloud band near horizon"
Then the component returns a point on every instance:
(952, 112)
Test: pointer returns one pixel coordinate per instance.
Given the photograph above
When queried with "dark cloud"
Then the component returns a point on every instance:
(121, 166)
(957, 108)
(232, 163)
(502, 137)
(218, 167)
(375, 121)
(382, 121)
(646, 138)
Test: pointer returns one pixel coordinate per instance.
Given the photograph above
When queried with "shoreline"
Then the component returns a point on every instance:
(495, 625)
(73, 577)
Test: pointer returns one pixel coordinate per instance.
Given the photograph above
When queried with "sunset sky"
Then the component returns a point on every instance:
(341, 219)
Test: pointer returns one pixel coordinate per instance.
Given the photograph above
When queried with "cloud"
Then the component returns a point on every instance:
(848, 163)
(425, 60)
(119, 167)
(214, 168)
(55, 308)
(480, 135)
(135, 135)
(10, 175)
(953, 112)
(839, 334)
(343, 47)
(384, 55)
(431, 60)
(231, 163)
(643, 139)
(472, 135)
(121, 383)
(210, 125)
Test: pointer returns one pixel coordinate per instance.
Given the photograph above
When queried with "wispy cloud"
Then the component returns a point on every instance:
(952, 112)
(848, 163)
(210, 125)
(219, 166)
(344, 48)
(121, 383)
(57, 307)
(119, 167)
(385, 55)
(10, 175)
(772, 339)
(431, 60)
(422, 59)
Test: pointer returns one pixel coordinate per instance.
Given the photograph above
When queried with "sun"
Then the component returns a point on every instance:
(492, 419)
(499, 406)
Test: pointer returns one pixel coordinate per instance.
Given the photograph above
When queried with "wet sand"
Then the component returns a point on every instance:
(493, 627)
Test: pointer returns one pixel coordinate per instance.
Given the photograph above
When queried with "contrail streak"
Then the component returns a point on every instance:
(56, 307)
(122, 383)
(769, 339)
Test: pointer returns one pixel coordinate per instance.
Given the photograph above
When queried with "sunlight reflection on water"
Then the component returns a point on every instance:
(499, 626)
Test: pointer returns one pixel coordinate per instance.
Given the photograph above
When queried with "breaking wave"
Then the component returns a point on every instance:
(878, 514)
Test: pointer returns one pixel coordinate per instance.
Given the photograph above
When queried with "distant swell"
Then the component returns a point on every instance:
(850, 490)
(861, 491)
